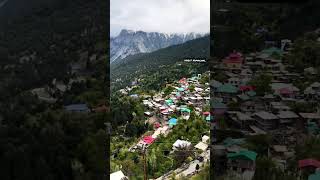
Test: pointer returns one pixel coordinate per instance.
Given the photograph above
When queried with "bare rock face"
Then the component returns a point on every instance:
(133, 42)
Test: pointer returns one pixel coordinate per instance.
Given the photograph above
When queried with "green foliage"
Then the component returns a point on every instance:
(310, 149)
(305, 53)
(233, 106)
(220, 76)
(168, 90)
(266, 169)
(222, 123)
(204, 79)
(303, 107)
(182, 154)
(39, 140)
(158, 158)
(262, 84)
(191, 88)
(159, 63)
(259, 144)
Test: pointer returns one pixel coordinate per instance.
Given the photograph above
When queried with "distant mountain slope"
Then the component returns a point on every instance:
(146, 62)
(133, 42)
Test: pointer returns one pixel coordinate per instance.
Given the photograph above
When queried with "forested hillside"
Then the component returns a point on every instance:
(133, 66)
(278, 21)
(40, 41)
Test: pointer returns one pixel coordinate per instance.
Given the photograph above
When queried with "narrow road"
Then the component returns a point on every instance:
(192, 165)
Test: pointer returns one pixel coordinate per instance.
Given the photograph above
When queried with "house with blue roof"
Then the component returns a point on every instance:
(173, 122)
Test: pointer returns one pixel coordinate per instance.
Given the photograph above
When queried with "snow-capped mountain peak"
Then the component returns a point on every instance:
(130, 42)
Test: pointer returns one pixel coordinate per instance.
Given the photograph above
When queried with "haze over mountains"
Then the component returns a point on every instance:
(130, 42)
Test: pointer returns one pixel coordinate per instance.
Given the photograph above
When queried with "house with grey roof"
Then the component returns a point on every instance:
(239, 119)
(278, 106)
(285, 90)
(312, 91)
(310, 71)
(266, 120)
(287, 118)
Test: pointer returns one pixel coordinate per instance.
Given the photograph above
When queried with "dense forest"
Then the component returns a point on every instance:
(38, 42)
(263, 22)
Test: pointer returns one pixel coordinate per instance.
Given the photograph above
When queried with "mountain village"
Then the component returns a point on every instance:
(164, 111)
(239, 104)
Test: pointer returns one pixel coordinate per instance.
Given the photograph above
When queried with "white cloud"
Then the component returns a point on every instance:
(169, 16)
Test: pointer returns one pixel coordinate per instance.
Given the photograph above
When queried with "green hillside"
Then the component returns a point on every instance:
(136, 65)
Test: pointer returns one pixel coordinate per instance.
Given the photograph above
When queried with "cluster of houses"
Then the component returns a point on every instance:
(237, 104)
(164, 110)
(51, 93)
(55, 91)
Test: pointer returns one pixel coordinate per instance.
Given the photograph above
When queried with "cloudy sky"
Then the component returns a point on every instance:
(169, 16)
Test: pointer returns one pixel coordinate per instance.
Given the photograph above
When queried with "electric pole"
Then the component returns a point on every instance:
(144, 161)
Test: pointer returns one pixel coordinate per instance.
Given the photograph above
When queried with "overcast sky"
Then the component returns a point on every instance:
(169, 16)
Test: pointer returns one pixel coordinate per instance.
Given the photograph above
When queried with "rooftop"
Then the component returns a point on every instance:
(310, 115)
(309, 162)
(266, 115)
(117, 175)
(181, 143)
(227, 88)
(280, 148)
(201, 145)
(77, 107)
(250, 155)
(287, 115)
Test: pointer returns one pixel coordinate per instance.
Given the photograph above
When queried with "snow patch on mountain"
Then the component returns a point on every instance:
(130, 42)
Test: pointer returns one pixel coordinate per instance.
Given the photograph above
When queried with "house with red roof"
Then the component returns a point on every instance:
(285, 90)
(156, 125)
(148, 140)
(308, 165)
(304, 163)
(183, 81)
(234, 61)
(245, 88)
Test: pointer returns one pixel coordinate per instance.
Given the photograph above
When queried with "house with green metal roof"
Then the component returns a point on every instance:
(227, 88)
(208, 118)
(315, 176)
(243, 97)
(248, 155)
(251, 93)
(219, 107)
(215, 84)
(180, 89)
(169, 102)
(313, 127)
(242, 160)
(187, 110)
(272, 52)
(230, 141)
